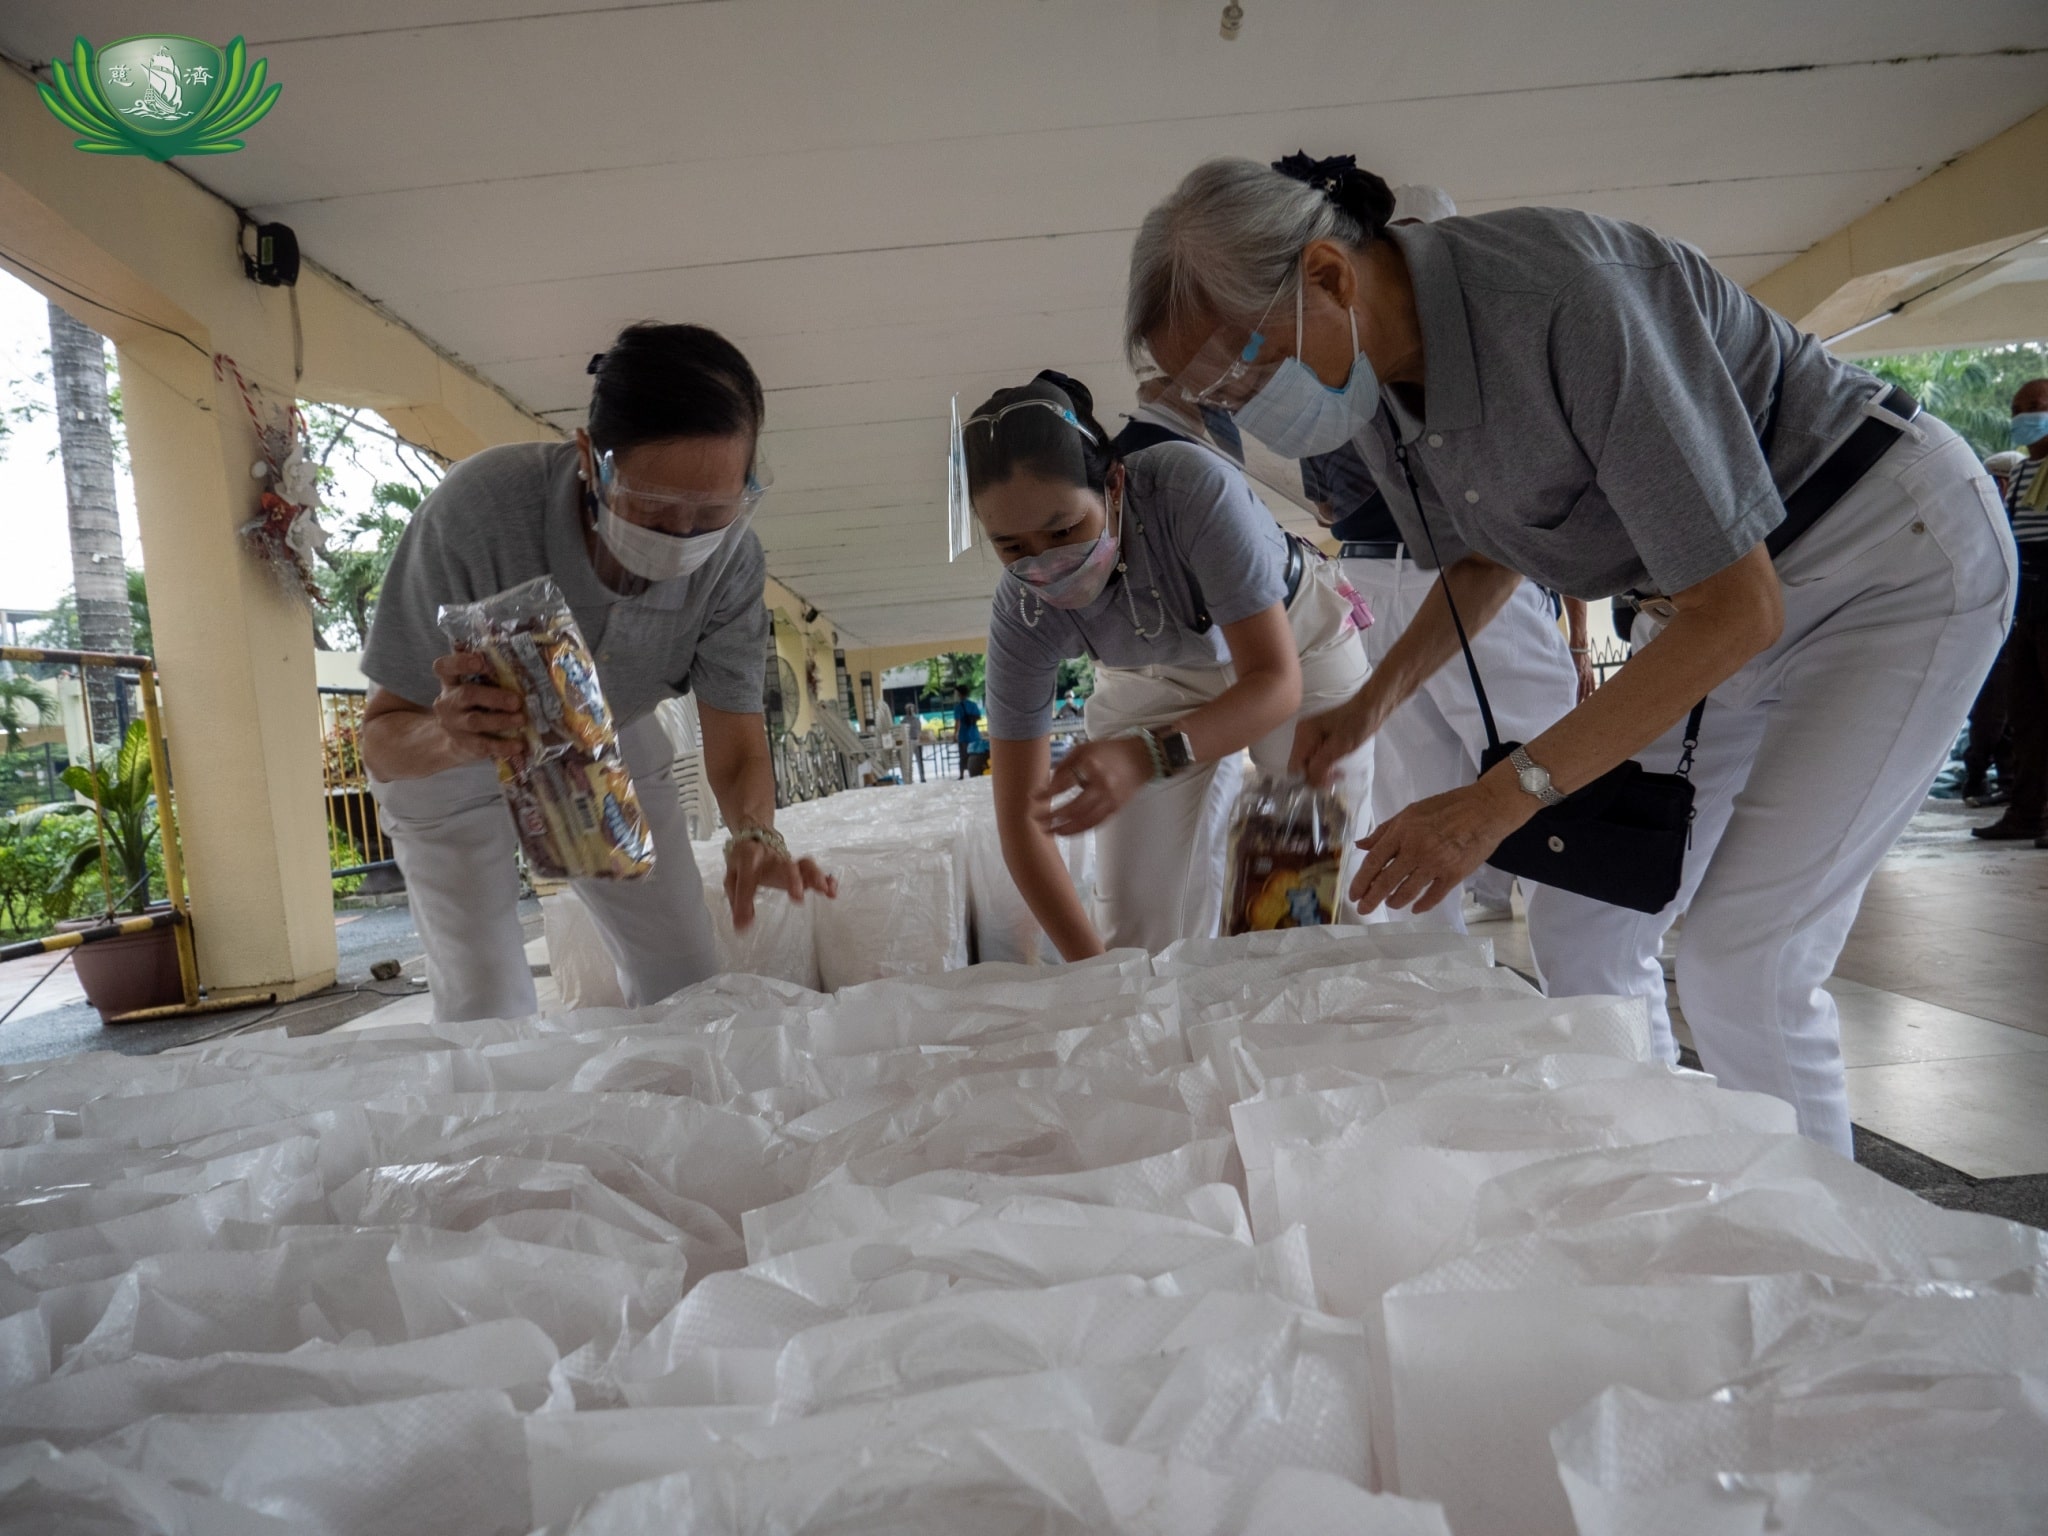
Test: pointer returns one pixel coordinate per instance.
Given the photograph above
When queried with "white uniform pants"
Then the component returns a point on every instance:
(1160, 860)
(1811, 761)
(1433, 742)
(455, 843)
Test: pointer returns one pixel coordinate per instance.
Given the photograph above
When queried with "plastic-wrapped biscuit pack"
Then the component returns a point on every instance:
(571, 798)
(1323, 1230)
(1286, 845)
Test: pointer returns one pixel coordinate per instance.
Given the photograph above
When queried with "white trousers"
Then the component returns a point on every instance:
(1811, 761)
(1160, 860)
(1433, 742)
(455, 844)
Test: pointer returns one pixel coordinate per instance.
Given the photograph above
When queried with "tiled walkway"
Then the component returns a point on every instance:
(1943, 988)
(1943, 995)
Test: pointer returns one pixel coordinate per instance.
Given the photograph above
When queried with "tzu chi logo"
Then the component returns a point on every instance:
(158, 96)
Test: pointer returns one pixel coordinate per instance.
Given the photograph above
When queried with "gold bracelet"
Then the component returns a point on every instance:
(767, 837)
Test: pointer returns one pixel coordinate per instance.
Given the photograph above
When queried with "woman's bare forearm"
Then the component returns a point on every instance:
(403, 741)
(1720, 624)
(738, 765)
(1030, 852)
(1265, 695)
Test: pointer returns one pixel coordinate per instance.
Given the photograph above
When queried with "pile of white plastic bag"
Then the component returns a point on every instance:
(1340, 1230)
(923, 887)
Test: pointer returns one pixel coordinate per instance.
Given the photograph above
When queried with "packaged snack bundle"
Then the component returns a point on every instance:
(571, 797)
(1286, 844)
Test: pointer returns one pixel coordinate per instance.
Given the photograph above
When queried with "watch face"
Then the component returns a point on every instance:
(1534, 779)
(1180, 752)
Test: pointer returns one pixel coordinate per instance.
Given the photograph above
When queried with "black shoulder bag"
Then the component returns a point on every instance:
(1622, 838)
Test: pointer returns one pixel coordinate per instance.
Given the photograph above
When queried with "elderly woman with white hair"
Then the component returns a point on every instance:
(1550, 395)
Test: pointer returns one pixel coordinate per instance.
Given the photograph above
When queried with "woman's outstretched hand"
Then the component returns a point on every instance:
(1106, 774)
(1419, 856)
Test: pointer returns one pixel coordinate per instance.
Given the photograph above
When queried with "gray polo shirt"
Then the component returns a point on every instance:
(515, 512)
(1204, 531)
(1593, 398)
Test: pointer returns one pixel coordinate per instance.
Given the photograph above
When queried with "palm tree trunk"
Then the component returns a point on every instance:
(99, 572)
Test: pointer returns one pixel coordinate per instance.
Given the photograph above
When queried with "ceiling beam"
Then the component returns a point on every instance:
(1947, 227)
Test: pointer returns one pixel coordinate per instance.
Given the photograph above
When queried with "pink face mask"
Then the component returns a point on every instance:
(1070, 575)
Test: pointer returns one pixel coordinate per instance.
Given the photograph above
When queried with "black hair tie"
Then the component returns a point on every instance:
(596, 362)
(1359, 193)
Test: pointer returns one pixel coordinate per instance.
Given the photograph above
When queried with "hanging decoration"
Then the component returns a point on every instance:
(285, 534)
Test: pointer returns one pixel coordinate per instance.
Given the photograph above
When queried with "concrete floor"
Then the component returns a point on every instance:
(1943, 995)
(55, 1019)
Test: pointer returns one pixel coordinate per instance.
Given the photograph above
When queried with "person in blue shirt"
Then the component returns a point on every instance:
(967, 733)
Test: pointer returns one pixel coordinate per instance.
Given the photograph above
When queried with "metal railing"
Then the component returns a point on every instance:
(1608, 655)
(356, 844)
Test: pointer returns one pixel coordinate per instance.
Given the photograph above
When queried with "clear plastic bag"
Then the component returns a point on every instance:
(1928, 1418)
(572, 799)
(1286, 844)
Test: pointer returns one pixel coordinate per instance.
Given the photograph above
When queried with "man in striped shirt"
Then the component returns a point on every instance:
(2026, 649)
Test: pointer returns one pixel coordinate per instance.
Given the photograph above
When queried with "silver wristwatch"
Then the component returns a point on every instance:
(1534, 777)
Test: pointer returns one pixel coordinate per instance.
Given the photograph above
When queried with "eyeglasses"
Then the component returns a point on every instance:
(1226, 373)
(705, 511)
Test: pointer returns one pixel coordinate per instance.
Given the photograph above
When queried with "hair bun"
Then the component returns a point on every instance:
(1075, 391)
(1366, 197)
(596, 362)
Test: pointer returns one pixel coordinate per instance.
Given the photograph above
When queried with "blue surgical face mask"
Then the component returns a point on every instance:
(1298, 416)
(2028, 428)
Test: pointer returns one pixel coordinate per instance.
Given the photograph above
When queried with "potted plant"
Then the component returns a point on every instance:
(134, 971)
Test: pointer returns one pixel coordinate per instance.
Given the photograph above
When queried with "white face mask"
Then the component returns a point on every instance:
(1298, 416)
(651, 554)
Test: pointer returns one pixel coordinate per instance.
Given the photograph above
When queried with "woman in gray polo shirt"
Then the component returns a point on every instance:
(1166, 571)
(1589, 405)
(642, 521)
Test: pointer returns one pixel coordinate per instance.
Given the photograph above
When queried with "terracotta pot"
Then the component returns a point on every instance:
(129, 972)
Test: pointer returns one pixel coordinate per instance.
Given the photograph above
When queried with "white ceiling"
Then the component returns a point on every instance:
(887, 202)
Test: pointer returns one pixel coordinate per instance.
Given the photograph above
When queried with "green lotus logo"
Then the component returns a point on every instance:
(159, 96)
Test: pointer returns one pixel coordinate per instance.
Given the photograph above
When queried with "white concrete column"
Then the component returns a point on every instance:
(236, 653)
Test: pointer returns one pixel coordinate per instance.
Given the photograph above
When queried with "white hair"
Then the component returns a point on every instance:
(1223, 244)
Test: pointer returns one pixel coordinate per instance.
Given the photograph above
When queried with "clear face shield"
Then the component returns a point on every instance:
(660, 534)
(1163, 403)
(1236, 361)
(963, 531)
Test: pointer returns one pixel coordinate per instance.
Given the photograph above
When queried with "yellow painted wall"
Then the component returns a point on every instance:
(144, 255)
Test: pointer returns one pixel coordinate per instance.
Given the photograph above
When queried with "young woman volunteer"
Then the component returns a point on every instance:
(642, 521)
(1211, 631)
(1587, 404)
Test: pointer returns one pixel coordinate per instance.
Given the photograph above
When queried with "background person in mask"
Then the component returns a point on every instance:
(1211, 632)
(643, 522)
(1584, 403)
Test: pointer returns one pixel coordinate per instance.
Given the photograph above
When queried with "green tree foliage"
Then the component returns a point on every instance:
(357, 556)
(1971, 390)
(360, 540)
(59, 632)
(36, 851)
(25, 704)
(947, 671)
(121, 782)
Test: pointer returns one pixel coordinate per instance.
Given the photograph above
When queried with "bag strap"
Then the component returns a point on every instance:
(1443, 580)
(1692, 724)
